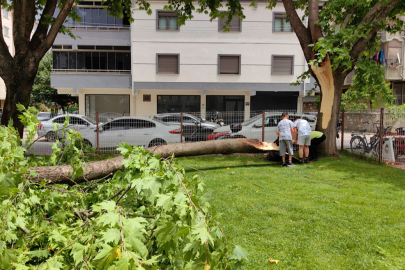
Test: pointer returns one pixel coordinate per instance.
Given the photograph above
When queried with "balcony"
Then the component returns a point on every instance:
(394, 72)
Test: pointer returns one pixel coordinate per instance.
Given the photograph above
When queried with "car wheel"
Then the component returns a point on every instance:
(51, 136)
(87, 142)
(157, 142)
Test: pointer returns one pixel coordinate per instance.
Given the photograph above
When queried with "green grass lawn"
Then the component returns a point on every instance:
(341, 213)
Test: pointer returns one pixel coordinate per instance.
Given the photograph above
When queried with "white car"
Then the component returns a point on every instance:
(140, 131)
(76, 122)
(44, 116)
(252, 128)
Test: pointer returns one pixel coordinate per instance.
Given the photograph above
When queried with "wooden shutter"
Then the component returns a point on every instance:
(229, 64)
(282, 65)
(168, 64)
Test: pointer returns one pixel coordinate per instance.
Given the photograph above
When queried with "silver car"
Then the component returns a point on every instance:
(44, 116)
(76, 122)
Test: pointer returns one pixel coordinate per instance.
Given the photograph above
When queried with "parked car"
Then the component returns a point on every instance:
(76, 122)
(252, 128)
(194, 128)
(44, 116)
(140, 131)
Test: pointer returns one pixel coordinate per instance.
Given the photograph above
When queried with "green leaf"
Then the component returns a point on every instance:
(109, 219)
(202, 233)
(111, 235)
(104, 252)
(39, 253)
(109, 206)
(122, 263)
(165, 201)
(239, 253)
(77, 252)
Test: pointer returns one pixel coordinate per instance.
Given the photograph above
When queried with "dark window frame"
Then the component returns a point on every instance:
(167, 22)
(221, 29)
(170, 54)
(85, 98)
(219, 64)
(280, 55)
(167, 95)
(284, 18)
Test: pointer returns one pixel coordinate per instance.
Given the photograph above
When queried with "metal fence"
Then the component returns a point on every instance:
(378, 134)
(104, 131)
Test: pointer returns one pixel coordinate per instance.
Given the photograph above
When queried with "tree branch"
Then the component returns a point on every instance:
(43, 24)
(313, 18)
(303, 33)
(53, 32)
(348, 17)
(374, 16)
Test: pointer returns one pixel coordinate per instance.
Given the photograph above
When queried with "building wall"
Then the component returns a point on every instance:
(6, 22)
(199, 43)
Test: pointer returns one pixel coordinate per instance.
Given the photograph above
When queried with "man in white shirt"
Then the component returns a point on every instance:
(304, 138)
(284, 131)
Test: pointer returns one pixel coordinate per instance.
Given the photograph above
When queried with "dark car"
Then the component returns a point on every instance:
(194, 128)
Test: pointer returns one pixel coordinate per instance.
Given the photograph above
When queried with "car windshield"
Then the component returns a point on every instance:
(89, 120)
(43, 114)
(251, 120)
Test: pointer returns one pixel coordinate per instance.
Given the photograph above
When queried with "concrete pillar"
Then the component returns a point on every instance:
(247, 107)
(299, 102)
(203, 105)
(132, 102)
(82, 104)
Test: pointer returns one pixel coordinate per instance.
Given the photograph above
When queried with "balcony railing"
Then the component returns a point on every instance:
(99, 28)
(394, 72)
(80, 71)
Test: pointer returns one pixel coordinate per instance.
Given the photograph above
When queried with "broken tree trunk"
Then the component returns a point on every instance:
(99, 169)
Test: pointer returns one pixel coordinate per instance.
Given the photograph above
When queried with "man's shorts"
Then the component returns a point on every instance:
(283, 147)
(304, 140)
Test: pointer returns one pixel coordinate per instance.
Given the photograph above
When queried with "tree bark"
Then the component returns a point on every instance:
(18, 91)
(98, 169)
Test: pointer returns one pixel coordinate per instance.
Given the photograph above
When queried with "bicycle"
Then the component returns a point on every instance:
(359, 144)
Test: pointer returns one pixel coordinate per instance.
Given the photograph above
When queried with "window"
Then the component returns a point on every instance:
(229, 64)
(5, 31)
(399, 92)
(166, 20)
(5, 13)
(77, 121)
(177, 104)
(107, 103)
(280, 23)
(235, 24)
(225, 103)
(60, 47)
(394, 54)
(282, 65)
(59, 120)
(92, 60)
(168, 64)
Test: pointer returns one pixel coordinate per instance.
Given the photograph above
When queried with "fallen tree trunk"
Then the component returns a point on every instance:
(99, 169)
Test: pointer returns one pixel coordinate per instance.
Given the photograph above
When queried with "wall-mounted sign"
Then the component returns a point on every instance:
(247, 104)
(147, 98)
(203, 106)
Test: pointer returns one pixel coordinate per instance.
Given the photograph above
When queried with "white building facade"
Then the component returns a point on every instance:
(7, 24)
(193, 68)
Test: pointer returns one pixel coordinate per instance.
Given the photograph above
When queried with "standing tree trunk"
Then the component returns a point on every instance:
(18, 83)
(331, 83)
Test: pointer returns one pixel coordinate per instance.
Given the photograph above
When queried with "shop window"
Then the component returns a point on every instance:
(225, 103)
(178, 104)
(107, 104)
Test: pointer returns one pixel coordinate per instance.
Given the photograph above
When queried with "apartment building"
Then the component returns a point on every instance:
(154, 66)
(391, 56)
(7, 24)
